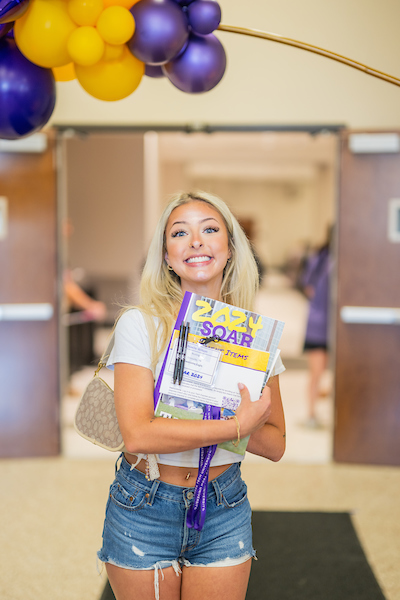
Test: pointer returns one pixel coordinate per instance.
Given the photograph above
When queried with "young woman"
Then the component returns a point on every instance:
(149, 552)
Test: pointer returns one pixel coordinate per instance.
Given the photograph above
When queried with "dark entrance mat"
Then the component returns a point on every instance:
(309, 556)
(306, 556)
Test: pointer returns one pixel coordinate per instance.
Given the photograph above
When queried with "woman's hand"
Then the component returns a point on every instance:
(269, 439)
(253, 415)
(143, 433)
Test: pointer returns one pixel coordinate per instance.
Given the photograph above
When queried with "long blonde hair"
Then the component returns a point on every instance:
(160, 291)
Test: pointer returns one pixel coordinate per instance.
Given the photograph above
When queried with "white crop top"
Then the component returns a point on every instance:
(132, 346)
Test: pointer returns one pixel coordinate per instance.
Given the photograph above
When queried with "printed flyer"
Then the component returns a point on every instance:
(245, 350)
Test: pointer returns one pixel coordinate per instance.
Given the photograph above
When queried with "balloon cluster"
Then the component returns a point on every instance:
(107, 45)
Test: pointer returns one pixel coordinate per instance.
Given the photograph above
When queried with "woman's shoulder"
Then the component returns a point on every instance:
(131, 315)
(133, 320)
(131, 340)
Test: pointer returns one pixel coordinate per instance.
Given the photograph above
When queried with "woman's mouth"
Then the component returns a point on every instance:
(197, 259)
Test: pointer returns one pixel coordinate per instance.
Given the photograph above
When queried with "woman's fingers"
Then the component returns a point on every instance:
(253, 415)
(266, 395)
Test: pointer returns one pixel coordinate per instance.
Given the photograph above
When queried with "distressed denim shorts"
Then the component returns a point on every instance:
(145, 524)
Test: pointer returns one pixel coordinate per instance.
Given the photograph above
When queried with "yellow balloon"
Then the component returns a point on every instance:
(125, 3)
(111, 79)
(116, 25)
(66, 73)
(113, 52)
(43, 31)
(85, 12)
(85, 46)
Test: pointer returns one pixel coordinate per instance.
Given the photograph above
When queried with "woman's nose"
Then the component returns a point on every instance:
(195, 243)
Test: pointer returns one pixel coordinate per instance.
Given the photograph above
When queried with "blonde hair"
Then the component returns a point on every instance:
(160, 291)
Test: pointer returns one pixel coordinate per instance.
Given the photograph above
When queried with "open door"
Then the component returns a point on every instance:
(367, 375)
(29, 369)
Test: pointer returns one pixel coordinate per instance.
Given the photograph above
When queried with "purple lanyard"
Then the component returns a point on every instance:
(197, 511)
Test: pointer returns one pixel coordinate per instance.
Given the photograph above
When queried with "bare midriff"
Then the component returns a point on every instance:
(183, 476)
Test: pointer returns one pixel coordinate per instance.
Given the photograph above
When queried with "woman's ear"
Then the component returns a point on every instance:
(166, 258)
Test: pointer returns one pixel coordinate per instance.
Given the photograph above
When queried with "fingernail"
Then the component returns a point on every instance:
(241, 386)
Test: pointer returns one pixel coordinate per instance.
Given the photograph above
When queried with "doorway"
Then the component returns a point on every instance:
(280, 184)
(282, 187)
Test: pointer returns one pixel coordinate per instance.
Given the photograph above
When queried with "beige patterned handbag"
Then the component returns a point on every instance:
(95, 418)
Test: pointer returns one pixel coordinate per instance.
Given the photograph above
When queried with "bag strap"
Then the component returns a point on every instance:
(104, 357)
(110, 345)
(106, 354)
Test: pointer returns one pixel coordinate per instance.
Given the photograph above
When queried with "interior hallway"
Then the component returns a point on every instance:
(278, 299)
(54, 508)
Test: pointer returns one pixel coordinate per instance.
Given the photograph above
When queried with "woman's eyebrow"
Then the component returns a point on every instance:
(202, 221)
(209, 219)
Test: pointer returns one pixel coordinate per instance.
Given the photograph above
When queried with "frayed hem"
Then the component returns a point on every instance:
(157, 567)
(99, 565)
(226, 562)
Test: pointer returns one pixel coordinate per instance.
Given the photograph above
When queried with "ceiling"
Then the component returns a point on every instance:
(255, 156)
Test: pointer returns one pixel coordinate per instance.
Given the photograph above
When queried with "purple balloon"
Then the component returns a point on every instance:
(10, 10)
(161, 31)
(200, 67)
(27, 93)
(204, 16)
(5, 28)
(184, 2)
(153, 71)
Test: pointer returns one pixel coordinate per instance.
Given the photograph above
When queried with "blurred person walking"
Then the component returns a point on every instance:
(316, 280)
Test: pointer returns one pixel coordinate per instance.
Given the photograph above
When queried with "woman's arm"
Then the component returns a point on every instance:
(144, 433)
(269, 440)
(80, 299)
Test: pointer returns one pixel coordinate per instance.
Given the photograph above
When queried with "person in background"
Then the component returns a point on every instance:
(316, 279)
(77, 298)
(80, 314)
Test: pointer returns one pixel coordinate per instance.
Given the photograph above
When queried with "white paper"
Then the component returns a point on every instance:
(225, 390)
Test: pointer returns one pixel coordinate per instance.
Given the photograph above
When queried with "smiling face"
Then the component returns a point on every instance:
(197, 247)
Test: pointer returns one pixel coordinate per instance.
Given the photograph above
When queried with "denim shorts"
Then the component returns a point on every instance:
(145, 525)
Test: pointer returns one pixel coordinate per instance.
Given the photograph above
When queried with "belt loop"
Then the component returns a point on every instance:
(218, 492)
(116, 462)
(152, 492)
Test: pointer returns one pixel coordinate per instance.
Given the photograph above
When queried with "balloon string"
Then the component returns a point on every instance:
(273, 37)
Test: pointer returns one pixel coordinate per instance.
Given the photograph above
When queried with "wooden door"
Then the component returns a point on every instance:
(367, 372)
(29, 390)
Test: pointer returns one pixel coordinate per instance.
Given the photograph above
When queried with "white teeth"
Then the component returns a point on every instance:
(198, 259)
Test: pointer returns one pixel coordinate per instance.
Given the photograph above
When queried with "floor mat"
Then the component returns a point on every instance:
(306, 556)
(309, 556)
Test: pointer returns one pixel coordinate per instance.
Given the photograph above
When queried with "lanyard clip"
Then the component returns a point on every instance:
(208, 340)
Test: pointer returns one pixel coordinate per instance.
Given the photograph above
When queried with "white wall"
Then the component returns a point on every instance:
(270, 83)
(284, 183)
(286, 216)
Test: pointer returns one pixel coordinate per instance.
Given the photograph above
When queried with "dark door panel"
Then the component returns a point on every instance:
(367, 372)
(29, 388)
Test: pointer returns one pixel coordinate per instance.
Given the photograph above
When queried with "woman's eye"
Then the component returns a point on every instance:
(211, 230)
(178, 233)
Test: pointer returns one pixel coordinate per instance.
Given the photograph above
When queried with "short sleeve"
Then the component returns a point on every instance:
(131, 343)
(278, 368)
